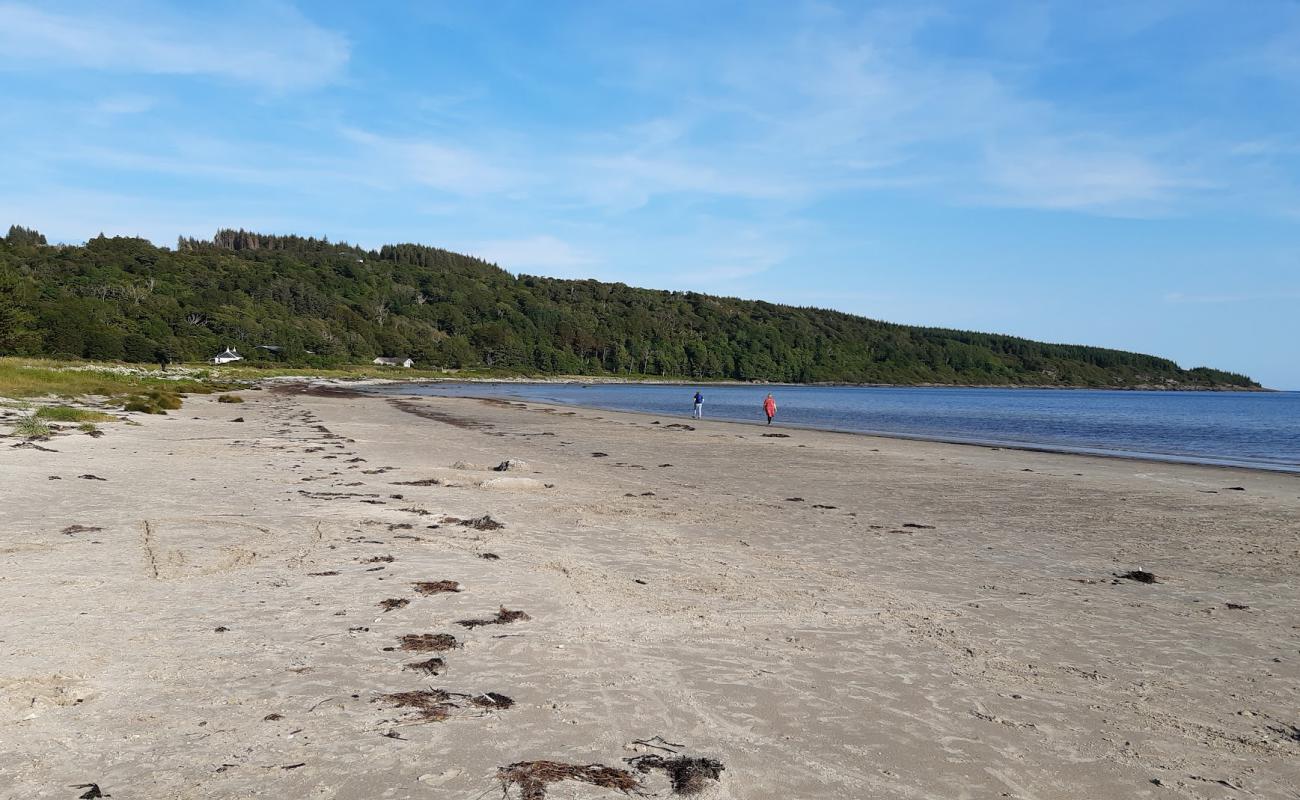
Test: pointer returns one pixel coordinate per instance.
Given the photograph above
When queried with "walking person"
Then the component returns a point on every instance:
(769, 408)
(697, 412)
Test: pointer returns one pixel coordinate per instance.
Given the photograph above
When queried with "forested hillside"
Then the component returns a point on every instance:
(322, 303)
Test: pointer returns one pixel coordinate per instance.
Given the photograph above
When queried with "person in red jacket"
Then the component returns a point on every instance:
(769, 408)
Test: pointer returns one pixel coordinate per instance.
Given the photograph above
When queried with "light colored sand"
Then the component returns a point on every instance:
(818, 652)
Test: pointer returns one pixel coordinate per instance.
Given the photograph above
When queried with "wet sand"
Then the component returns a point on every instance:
(828, 615)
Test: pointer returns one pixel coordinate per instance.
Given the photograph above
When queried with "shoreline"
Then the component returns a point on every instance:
(1140, 457)
(611, 379)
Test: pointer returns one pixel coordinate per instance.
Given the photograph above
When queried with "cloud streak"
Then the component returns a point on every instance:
(430, 162)
(545, 254)
(1212, 298)
(1083, 175)
(857, 102)
(838, 101)
(269, 45)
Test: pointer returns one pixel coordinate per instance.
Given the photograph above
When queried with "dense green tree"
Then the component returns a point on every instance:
(14, 332)
(323, 302)
(138, 347)
(18, 235)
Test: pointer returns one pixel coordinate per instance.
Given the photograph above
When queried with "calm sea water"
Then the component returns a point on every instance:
(1257, 430)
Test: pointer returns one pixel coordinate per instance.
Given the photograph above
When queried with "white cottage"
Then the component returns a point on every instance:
(226, 356)
(394, 362)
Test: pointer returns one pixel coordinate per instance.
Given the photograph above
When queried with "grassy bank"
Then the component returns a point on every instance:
(39, 377)
(35, 377)
(28, 384)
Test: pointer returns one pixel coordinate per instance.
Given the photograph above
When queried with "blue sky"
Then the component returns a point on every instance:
(1124, 174)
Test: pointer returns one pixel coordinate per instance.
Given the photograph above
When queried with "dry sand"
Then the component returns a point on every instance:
(925, 621)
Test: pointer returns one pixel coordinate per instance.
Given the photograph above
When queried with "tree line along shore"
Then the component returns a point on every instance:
(291, 301)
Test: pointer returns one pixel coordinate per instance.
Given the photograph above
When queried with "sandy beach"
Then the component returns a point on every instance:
(212, 604)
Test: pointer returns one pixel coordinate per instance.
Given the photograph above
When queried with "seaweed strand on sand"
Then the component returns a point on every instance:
(422, 642)
(436, 587)
(688, 774)
(504, 616)
(532, 777)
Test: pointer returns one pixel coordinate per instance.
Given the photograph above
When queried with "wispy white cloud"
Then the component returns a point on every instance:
(1218, 298)
(198, 157)
(543, 254)
(125, 103)
(756, 127)
(1267, 147)
(726, 255)
(1278, 58)
(357, 158)
(453, 168)
(265, 44)
(842, 101)
(856, 101)
(1083, 175)
(629, 180)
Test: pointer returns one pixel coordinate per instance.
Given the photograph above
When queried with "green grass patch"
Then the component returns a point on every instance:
(38, 377)
(88, 427)
(164, 399)
(70, 414)
(136, 387)
(230, 398)
(145, 405)
(31, 428)
(126, 383)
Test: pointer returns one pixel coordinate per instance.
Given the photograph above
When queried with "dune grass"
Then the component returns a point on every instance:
(31, 428)
(142, 405)
(70, 414)
(154, 401)
(164, 399)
